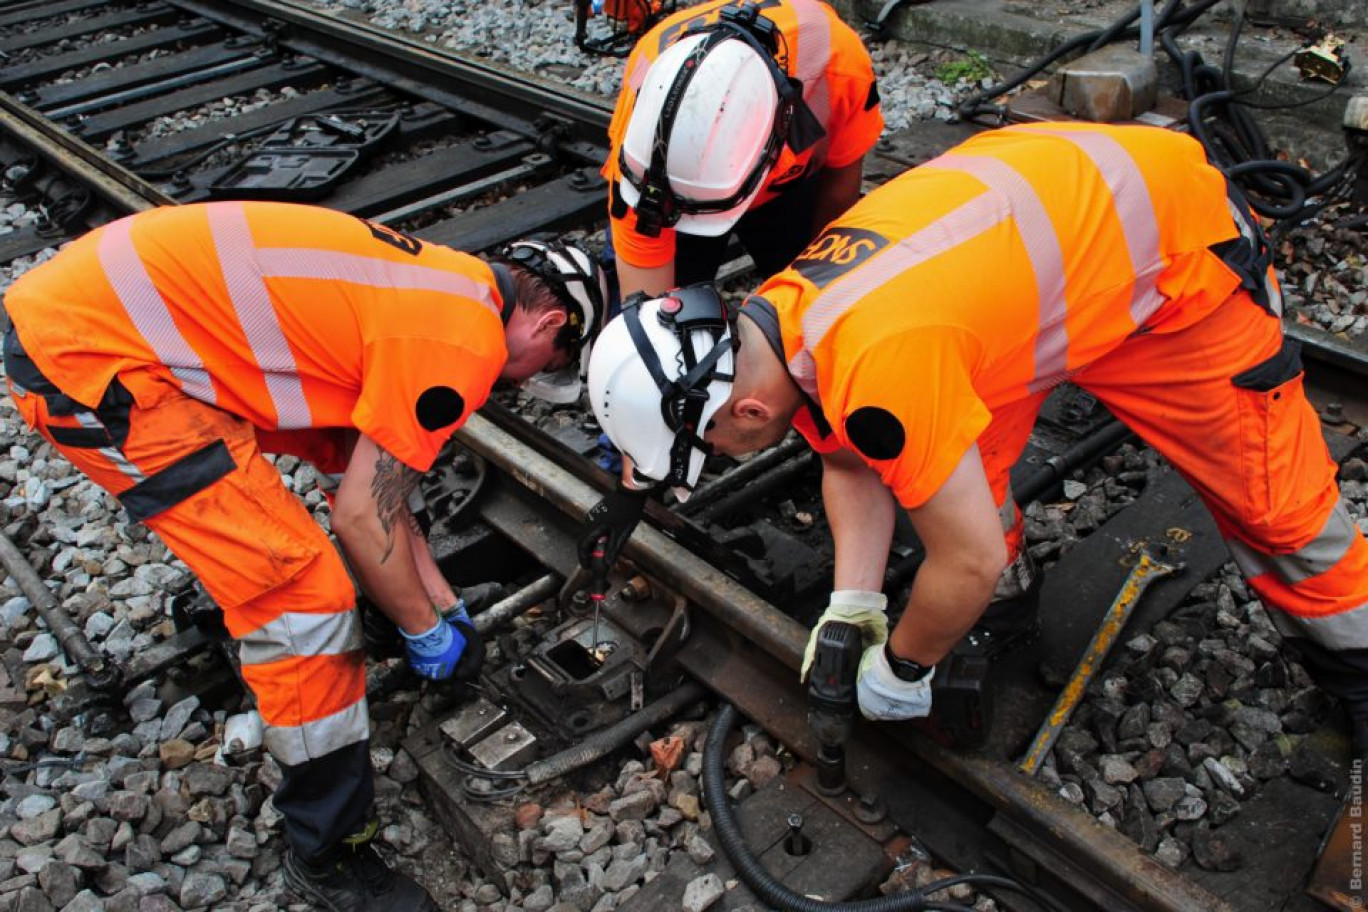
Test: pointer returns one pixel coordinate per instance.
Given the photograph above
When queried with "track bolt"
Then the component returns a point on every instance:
(870, 809)
(795, 843)
(1333, 413)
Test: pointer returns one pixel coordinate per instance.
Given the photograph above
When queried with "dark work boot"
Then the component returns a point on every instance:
(352, 877)
(382, 638)
(1012, 618)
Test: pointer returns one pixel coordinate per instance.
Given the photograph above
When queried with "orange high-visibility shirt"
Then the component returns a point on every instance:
(288, 316)
(838, 84)
(989, 274)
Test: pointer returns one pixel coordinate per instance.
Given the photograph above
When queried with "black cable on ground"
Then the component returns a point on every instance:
(769, 890)
(1218, 116)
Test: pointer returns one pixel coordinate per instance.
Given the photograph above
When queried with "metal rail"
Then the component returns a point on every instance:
(122, 188)
(1109, 856)
(487, 91)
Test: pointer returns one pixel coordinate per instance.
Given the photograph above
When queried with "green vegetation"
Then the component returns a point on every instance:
(971, 68)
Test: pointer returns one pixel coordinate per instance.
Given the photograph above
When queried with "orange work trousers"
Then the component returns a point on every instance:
(194, 474)
(1223, 401)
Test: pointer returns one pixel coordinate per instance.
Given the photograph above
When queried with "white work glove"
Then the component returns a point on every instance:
(851, 606)
(884, 697)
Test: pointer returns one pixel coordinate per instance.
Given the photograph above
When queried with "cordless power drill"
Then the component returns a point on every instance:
(832, 699)
(961, 706)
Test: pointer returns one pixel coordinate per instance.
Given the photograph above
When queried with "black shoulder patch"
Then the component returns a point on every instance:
(837, 251)
(438, 407)
(872, 99)
(875, 432)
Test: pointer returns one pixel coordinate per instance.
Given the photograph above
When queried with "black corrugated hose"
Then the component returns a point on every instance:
(771, 891)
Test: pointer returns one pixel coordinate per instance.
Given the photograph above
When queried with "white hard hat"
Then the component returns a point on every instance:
(583, 290)
(659, 372)
(717, 132)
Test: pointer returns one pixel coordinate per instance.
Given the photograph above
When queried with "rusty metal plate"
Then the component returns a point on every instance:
(1337, 879)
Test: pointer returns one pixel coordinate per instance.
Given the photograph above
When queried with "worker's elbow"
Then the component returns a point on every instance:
(346, 524)
(988, 568)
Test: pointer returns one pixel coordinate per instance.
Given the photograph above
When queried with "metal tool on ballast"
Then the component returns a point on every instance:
(1147, 569)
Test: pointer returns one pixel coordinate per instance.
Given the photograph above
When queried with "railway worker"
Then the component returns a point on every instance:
(913, 343)
(161, 353)
(747, 116)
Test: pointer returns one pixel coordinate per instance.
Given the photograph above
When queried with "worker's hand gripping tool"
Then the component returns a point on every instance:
(832, 699)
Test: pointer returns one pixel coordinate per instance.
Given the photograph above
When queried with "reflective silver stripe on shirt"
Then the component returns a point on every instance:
(331, 265)
(294, 744)
(1317, 556)
(113, 454)
(296, 634)
(971, 219)
(257, 315)
(1344, 630)
(145, 307)
(813, 37)
(1038, 236)
(1134, 206)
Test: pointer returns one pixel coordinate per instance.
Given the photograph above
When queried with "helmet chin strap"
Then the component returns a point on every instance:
(682, 400)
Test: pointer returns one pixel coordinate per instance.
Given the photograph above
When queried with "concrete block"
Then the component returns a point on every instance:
(1113, 83)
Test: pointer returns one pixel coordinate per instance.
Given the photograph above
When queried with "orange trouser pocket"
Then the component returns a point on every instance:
(1280, 447)
(194, 474)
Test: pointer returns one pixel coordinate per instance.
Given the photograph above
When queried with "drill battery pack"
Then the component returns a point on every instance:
(961, 702)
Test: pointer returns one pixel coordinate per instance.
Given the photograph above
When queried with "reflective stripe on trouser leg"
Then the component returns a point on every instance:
(281, 585)
(1321, 587)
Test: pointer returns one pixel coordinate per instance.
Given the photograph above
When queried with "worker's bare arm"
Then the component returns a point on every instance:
(837, 190)
(654, 280)
(860, 511)
(965, 554)
(371, 521)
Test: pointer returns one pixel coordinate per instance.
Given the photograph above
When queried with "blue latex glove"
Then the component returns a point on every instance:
(452, 648)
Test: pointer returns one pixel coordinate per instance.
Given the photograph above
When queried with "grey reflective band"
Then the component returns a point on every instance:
(354, 269)
(1010, 196)
(1135, 207)
(294, 744)
(968, 221)
(300, 634)
(143, 303)
(256, 314)
(1317, 556)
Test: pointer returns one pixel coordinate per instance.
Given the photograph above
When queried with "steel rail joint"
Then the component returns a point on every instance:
(1120, 862)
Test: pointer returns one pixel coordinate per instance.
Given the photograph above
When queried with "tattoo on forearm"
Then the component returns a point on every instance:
(390, 487)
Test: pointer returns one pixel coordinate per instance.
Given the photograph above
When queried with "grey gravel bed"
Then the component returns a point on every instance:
(150, 821)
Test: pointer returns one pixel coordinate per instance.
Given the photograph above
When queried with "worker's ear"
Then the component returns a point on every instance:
(551, 321)
(751, 411)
